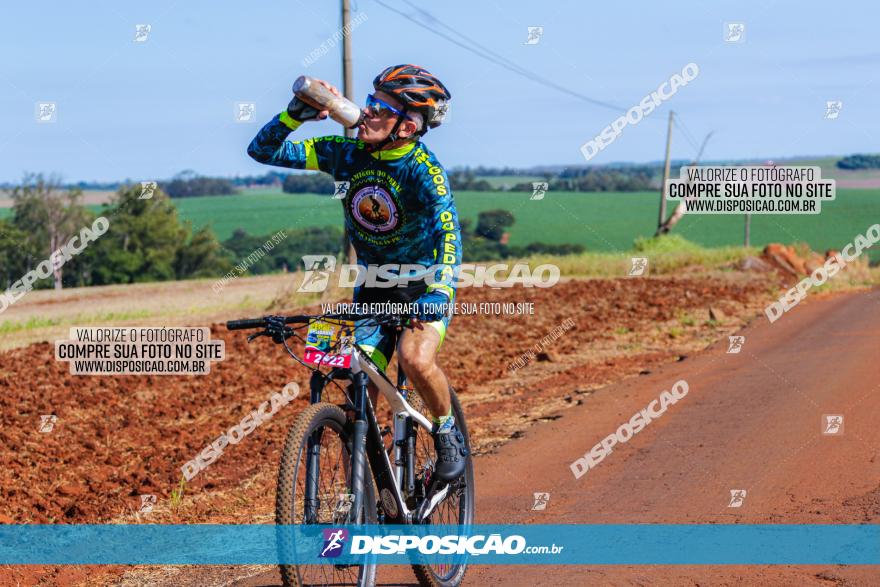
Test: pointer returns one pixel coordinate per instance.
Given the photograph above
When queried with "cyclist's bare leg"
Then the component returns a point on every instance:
(418, 350)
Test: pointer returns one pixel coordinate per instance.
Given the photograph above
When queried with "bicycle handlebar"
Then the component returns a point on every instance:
(249, 323)
(264, 321)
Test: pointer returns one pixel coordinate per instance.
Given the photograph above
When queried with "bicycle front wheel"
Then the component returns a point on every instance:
(314, 484)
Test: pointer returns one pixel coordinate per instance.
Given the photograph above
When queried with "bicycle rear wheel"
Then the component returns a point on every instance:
(310, 493)
(457, 509)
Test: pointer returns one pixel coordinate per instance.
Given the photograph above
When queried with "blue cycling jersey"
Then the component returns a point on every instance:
(398, 204)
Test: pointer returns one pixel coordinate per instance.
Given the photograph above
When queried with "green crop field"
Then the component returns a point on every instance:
(599, 221)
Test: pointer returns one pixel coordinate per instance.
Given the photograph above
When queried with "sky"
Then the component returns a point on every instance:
(148, 110)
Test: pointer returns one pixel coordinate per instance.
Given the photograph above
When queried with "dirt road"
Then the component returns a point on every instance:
(752, 421)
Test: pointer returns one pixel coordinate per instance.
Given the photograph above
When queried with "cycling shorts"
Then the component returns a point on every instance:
(379, 342)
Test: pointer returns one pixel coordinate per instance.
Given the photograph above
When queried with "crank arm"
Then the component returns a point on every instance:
(435, 496)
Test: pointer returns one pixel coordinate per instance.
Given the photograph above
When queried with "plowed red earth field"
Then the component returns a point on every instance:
(118, 437)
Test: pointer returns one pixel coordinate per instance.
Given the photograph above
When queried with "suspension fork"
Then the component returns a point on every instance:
(404, 442)
(313, 455)
(358, 442)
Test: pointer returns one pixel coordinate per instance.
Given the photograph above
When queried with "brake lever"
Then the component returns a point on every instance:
(253, 336)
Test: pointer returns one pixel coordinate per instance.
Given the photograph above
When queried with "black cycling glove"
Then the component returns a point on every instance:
(300, 111)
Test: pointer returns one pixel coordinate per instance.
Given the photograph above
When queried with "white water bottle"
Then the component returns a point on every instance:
(342, 110)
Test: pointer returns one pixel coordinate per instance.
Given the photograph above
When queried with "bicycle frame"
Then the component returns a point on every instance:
(367, 440)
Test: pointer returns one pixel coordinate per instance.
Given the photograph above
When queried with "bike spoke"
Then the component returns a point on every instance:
(332, 480)
(451, 511)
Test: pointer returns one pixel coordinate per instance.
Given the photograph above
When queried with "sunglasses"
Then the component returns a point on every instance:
(379, 107)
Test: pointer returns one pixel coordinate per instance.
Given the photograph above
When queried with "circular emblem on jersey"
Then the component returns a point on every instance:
(374, 209)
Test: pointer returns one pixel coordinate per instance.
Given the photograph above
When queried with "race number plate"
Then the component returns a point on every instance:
(329, 343)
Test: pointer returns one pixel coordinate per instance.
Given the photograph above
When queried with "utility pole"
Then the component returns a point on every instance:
(681, 208)
(348, 92)
(662, 217)
(347, 85)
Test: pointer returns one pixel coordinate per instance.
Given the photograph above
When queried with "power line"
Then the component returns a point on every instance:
(684, 128)
(687, 135)
(501, 61)
(433, 18)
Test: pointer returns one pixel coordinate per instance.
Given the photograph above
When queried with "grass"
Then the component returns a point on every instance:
(32, 323)
(46, 315)
(36, 322)
(667, 255)
(177, 494)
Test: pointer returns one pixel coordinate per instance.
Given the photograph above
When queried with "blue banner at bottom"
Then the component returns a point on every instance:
(586, 544)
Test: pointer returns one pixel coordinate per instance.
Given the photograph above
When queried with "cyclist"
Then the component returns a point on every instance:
(398, 210)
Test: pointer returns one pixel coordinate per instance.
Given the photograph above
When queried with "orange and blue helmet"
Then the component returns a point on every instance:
(417, 89)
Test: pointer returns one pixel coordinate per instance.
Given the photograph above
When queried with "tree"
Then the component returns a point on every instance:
(16, 251)
(860, 162)
(286, 252)
(142, 242)
(202, 256)
(147, 241)
(186, 186)
(491, 223)
(48, 217)
(308, 183)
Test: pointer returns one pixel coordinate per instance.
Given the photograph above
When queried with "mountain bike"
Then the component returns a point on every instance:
(331, 447)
